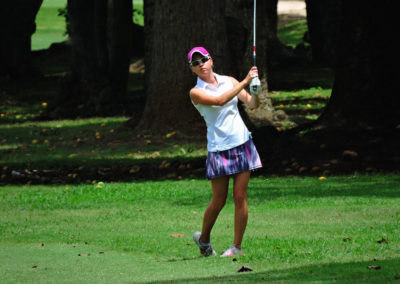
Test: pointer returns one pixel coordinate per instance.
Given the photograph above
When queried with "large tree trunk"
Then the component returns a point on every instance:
(323, 18)
(226, 32)
(172, 28)
(17, 24)
(100, 48)
(364, 93)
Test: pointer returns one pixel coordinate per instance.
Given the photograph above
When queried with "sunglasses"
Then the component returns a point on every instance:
(202, 60)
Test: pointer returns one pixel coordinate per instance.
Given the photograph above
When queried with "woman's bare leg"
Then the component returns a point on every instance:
(240, 184)
(220, 192)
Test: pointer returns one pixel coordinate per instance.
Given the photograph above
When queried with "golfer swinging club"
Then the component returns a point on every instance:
(231, 152)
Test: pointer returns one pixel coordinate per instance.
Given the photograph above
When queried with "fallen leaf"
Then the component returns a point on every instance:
(164, 164)
(302, 169)
(169, 135)
(34, 266)
(134, 169)
(376, 267)
(347, 239)
(350, 154)
(316, 169)
(382, 241)
(244, 269)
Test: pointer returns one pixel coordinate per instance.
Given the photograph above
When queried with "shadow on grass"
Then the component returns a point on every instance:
(93, 149)
(380, 271)
(374, 185)
(262, 190)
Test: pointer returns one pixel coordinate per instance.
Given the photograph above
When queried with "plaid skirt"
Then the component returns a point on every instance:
(232, 161)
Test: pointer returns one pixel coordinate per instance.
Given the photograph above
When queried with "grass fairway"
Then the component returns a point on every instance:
(300, 230)
(50, 27)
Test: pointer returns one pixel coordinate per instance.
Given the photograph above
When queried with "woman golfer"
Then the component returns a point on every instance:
(231, 152)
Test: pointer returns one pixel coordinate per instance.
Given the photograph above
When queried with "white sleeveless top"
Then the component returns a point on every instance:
(225, 127)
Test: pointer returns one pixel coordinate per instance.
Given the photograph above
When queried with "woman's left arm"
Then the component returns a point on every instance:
(246, 97)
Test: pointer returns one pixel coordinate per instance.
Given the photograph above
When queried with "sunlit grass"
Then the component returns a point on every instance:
(292, 34)
(299, 229)
(50, 27)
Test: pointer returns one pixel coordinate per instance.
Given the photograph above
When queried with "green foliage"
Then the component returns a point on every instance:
(300, 230)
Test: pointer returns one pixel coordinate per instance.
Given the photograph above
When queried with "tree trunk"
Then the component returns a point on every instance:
(172, 28)
(323, 18)
(226, 32)
(100, 32)
(364, 93)
(17, 22)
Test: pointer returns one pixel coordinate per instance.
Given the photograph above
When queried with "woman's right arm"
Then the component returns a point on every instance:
(198, 96)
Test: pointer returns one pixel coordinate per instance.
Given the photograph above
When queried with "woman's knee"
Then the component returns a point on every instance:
(218, 203)
(240, 198)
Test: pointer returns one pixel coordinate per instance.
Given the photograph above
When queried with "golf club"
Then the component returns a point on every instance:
(255, 84)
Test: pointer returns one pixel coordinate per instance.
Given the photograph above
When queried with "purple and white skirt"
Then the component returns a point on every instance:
(232, 161)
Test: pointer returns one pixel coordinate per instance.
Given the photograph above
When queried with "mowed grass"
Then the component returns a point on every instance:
(292, 33)
(300, 230)
(51, 27)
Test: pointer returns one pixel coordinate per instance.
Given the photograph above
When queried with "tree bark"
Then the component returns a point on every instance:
(323, 18)
(100, 48)
(364, 94)
(17, 22)
(172, 28)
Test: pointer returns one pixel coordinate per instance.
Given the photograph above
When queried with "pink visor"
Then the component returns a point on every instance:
(197, 49)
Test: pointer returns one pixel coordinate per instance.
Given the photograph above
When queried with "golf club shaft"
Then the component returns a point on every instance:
(254, 34)
(255, 84)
